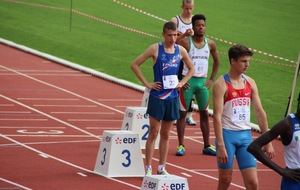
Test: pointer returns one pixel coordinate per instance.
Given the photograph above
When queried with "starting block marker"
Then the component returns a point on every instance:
(163, 182)
(119, 155)
(137, 121)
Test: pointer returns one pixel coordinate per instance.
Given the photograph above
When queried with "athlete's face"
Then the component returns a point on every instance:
(199, 28)
(242, 63)
(188, 9)
(170, 36)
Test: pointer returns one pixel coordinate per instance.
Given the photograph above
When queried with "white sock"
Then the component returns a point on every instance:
(161, 167)
(148, 167)
(189, 115)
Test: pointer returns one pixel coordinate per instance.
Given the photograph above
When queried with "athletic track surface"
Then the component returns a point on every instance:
(51, 121)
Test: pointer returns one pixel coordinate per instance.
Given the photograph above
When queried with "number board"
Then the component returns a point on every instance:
(119, 155)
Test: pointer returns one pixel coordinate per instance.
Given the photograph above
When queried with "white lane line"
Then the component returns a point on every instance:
(81, 120)
(58, 105)
(54, 99)
(104, 128)
(62, 89)
(235, 170)
(123, 106)
(85, 113)
(66, 162)
(44, 155)
(185, 174)
(4, 105)
(121, 100)
(29, 127)
(55, 71)
(66, 75)
(16, 119)
(51, 142)
(81, 174)
(15, 184)
(49, 116)
(57, 135)
(9, 112)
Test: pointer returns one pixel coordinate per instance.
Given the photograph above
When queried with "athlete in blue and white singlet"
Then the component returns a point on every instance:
(166, 66)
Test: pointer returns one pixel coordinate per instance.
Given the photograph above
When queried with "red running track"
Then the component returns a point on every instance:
(51, 119)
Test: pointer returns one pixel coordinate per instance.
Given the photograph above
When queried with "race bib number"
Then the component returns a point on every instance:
(170, 81)
(241, 114)
(201, 68)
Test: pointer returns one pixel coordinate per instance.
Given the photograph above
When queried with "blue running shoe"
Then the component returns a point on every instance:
(211, 150)
(180, 150)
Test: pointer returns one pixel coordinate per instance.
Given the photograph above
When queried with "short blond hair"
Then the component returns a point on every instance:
(187, 1)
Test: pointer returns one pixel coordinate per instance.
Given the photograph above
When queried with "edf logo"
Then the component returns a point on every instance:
(129, 140)
(150, 185)
(177, 186)
(126, 140)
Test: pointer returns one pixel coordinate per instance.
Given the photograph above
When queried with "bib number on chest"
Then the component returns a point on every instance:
(170, 81)
(241, 114)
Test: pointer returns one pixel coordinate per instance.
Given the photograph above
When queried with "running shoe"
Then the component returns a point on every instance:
(180, 150)
(190, 121)
(148, 172)
(211, 150)
(163, 171)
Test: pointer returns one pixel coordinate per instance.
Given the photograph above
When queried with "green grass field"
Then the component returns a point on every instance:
(107, 36)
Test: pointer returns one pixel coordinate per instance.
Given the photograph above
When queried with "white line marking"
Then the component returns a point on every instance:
(57, 135)
(15, 119)
(49, 116)
(8, 112)
(44, 155)
(85, 113)
(121, 100)
(104, 128)
(80, 120)
(81, 174)
(28, 127)
(81, 106)
(54, 99)
(65, 162)
(51, 142)
(235, 170)
(6, 105)
(185, 174)
(64, 90)
(13, 183)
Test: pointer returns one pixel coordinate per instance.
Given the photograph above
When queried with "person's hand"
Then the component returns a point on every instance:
(222, 156)
(208, 83)
(269, 150)
(186, 86)
(188, 32)
(293, 174)
(154, 86)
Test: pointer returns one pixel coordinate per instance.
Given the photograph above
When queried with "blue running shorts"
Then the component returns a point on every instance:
(236, 143)
(163, 109)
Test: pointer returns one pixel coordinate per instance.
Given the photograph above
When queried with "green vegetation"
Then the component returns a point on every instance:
(98, 39)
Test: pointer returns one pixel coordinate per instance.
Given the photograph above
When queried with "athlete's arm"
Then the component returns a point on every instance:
(188, 62)
(219, 91)
(261, 116)
(152, 51)
(284, 130)
(216, 61)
